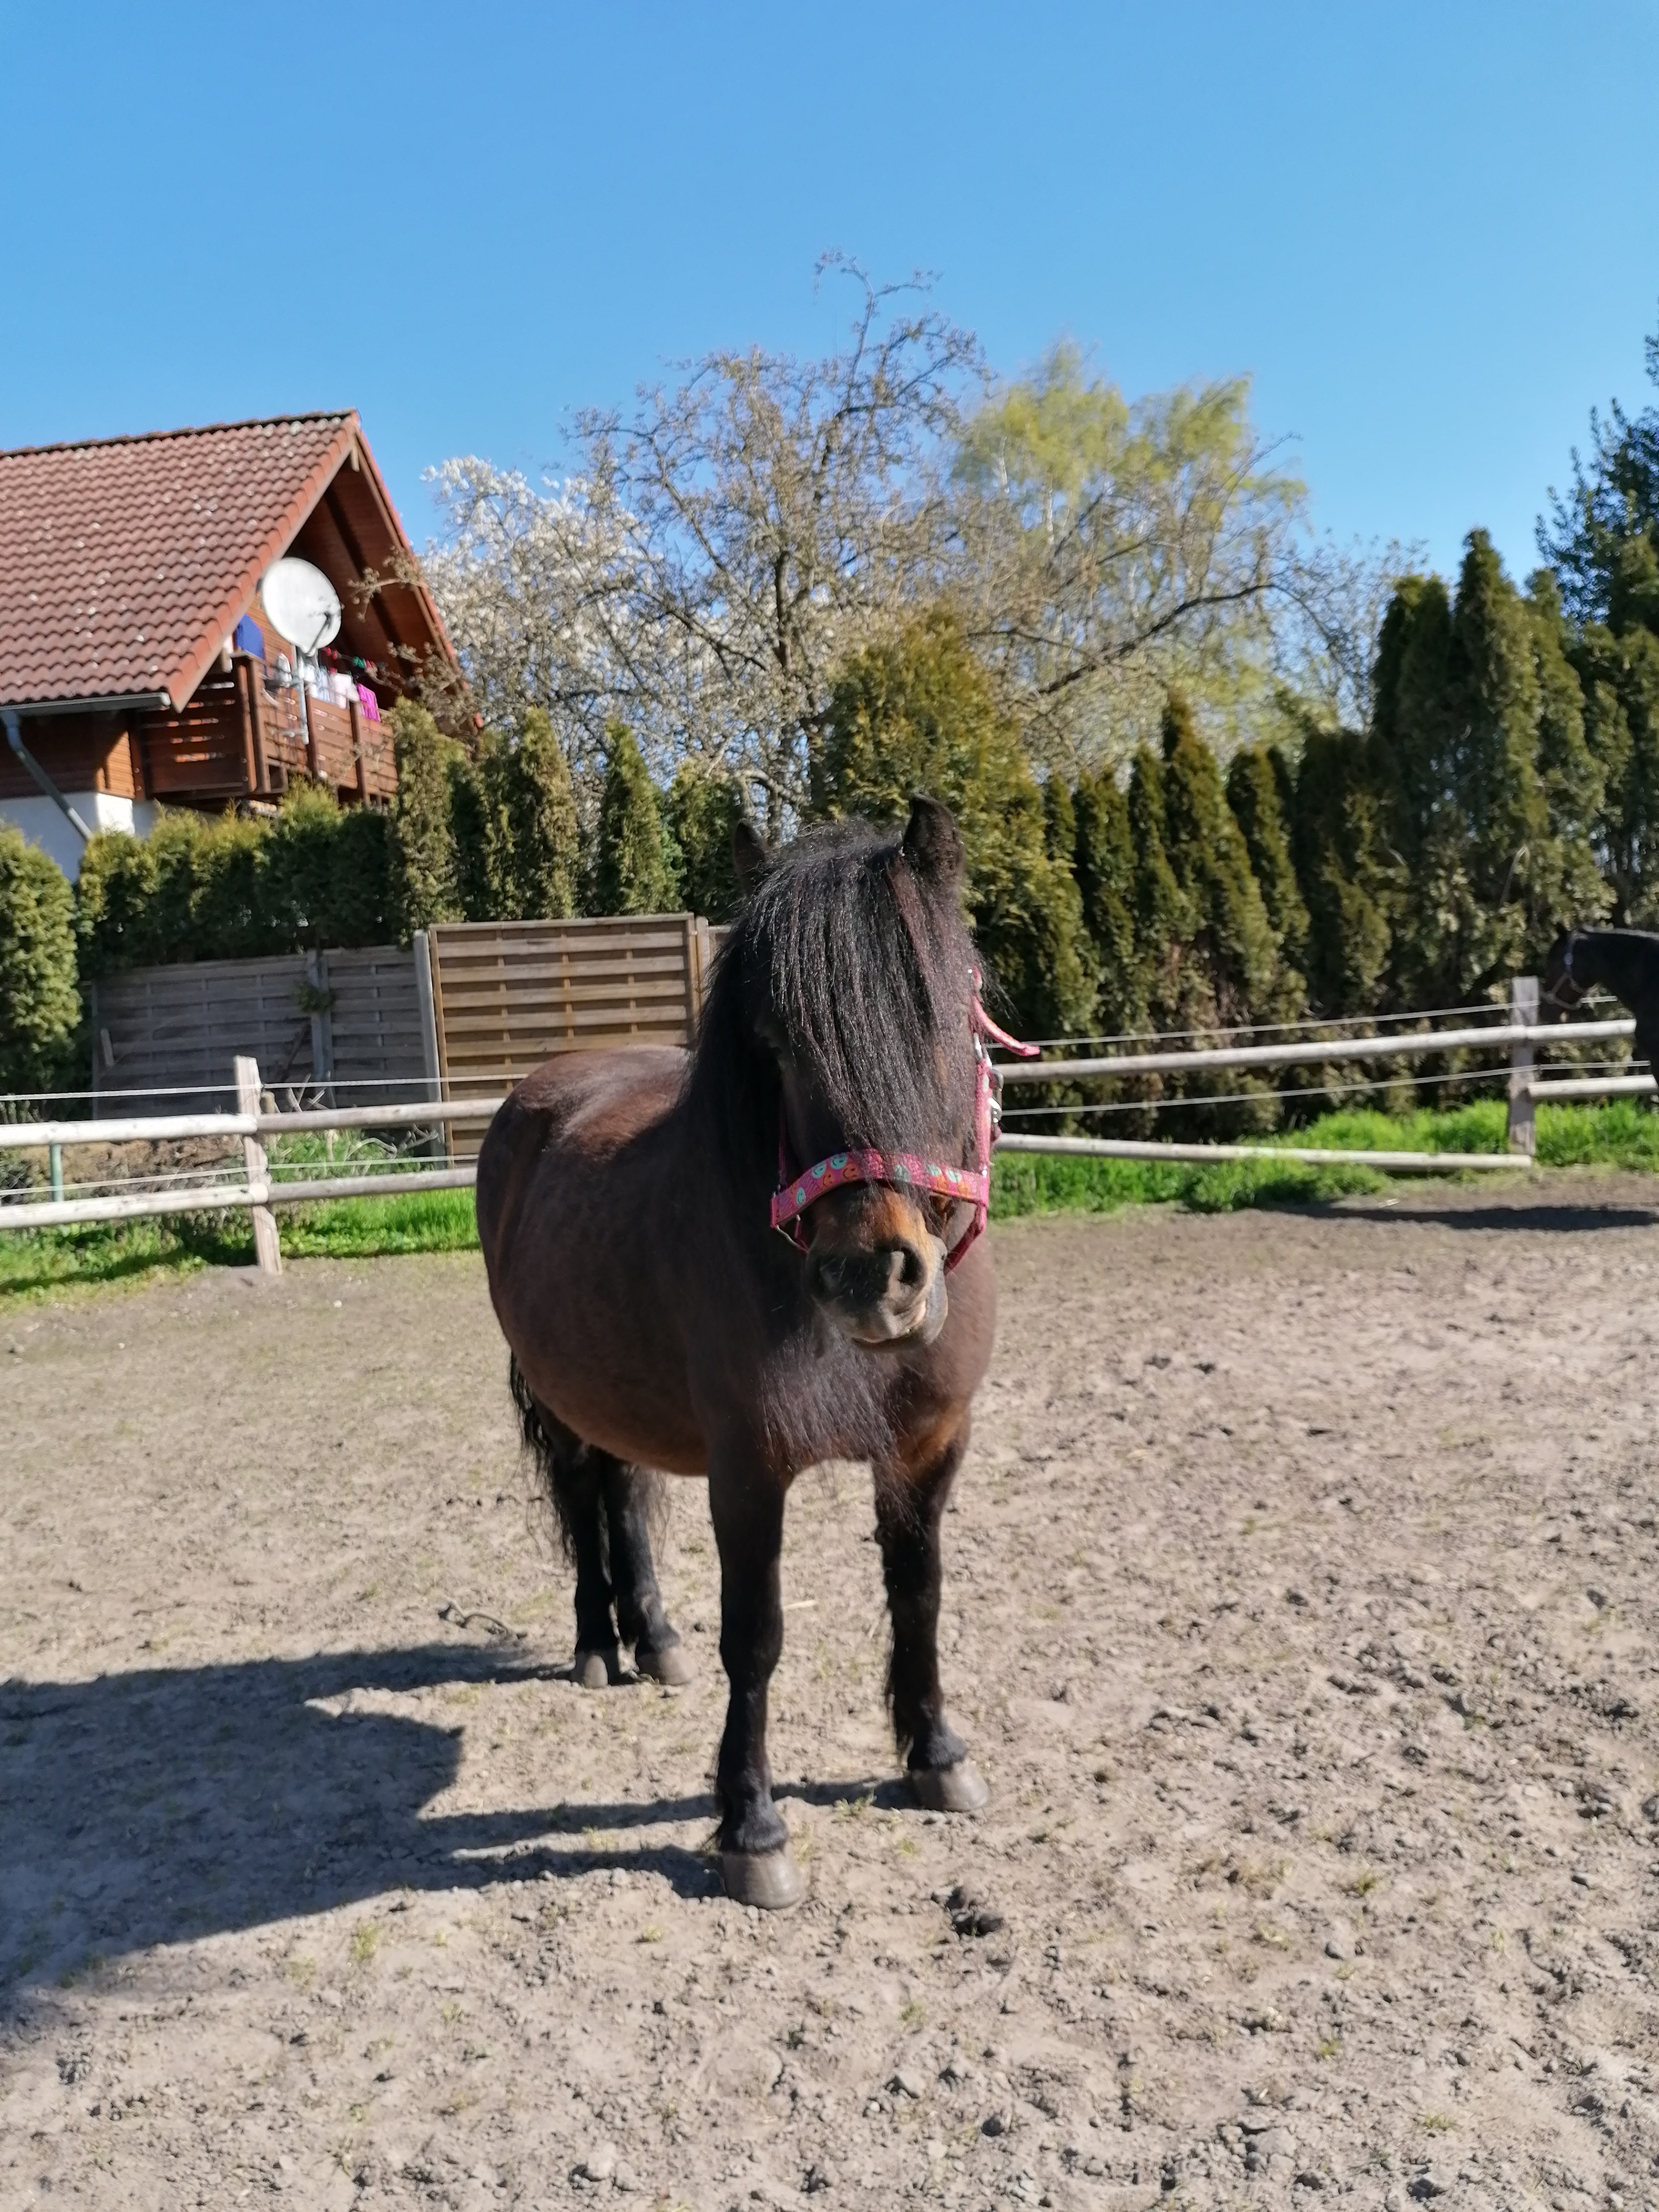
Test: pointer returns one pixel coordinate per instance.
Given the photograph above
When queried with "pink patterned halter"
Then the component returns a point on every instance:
(907, 1171)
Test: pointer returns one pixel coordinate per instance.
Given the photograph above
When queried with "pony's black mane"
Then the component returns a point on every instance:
(862, 970)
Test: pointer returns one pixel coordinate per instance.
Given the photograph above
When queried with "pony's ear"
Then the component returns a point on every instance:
(750, 856)
(933, 843)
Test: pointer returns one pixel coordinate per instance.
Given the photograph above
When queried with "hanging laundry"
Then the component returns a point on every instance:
(370, 704)
(248, 637)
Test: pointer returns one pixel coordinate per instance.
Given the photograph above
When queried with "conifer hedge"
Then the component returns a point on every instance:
(917, 713)
(1506, 782)
(220, 887)
(39, 1003)
(635, 865)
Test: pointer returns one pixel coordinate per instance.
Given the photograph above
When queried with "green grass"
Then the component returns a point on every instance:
(368, 1228)
(1620, 1133)
(48, 1262)
(37, 1263)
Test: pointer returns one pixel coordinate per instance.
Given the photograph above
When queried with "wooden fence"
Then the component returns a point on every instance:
(463, 1014)
(308, 1018)
(506, 995)
(514, 992)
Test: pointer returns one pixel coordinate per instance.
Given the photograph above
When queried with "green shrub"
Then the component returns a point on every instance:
(426, 885)
(1211, 864)
(1103, 867)
(327, 874)
(1256, 781)
(704, 806)
(39, 1003)
(539, 806)
(916, 712)
(634, 869)
(221, 887)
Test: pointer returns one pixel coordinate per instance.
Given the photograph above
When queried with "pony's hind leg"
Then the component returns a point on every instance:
(909, 1507)
(630, 1495)
(572, 1475)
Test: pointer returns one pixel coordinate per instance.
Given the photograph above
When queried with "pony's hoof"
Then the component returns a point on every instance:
(594, 1670)
(770, 1880)
(669, 1665)
(958, 1789)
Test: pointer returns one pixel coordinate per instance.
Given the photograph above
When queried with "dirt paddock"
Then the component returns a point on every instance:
(1300, 1604)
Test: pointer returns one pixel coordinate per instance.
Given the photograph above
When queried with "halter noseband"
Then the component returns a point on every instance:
(907, 1171)
(1581, 991)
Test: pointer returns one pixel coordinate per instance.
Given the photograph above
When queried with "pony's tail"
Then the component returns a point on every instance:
(575, 1477)
(555, 1452)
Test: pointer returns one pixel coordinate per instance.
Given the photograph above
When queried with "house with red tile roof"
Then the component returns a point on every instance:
(138, 664)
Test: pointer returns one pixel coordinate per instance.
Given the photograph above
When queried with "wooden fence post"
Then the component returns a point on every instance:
(1523, 1014)
(267, 1250)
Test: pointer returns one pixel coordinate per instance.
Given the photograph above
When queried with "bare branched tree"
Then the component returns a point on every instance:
(778, 512)
(1330, 600)
(723, 545)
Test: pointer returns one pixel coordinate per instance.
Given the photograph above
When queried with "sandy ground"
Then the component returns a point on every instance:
(1301, 1607)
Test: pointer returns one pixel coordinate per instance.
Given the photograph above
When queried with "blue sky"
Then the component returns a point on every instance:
(1431, 232)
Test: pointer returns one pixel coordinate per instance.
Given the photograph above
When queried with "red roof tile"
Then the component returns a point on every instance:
(124, 561)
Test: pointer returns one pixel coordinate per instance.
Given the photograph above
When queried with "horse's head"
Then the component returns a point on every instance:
(1559, 990)
(858, 981)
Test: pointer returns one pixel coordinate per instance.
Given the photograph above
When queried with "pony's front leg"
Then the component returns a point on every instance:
(745, 1500)
(909, 1502)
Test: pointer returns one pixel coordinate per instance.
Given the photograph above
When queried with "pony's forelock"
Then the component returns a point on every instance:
(863, 970)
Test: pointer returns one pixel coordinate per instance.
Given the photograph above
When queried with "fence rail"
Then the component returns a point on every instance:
(1309, 1053)
(653, 992)
(1128, 1148)
(208, 1198)
(165, 1129)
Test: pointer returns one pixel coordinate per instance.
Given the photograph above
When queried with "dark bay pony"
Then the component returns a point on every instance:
(657, 1320)
(1625, 962)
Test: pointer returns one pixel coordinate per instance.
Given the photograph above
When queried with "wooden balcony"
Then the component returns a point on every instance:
(243, 737)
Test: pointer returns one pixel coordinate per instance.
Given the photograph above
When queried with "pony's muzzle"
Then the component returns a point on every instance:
(887, 1293)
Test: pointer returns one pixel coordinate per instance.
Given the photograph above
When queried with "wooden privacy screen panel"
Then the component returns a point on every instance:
(373, 1022)
(506, 995)
(174, 1028)
(306, 1018)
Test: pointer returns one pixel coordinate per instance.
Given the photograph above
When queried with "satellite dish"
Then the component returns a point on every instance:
(301, 603)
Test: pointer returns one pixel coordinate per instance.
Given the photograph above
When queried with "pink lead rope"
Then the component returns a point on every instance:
(906, 1171)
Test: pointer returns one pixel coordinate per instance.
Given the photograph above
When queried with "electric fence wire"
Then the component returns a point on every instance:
(1365, 1024)
(1014, 1116)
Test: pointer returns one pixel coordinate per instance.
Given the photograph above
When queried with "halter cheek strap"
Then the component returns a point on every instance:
(907, 1171)
(1580, 990)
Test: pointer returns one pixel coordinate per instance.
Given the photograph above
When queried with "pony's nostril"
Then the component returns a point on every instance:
(893, 1271)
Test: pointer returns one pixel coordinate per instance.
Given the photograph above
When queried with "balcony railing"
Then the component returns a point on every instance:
(246, 734)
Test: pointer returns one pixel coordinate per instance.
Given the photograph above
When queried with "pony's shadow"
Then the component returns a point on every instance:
(888, 1793)
(166, 1804)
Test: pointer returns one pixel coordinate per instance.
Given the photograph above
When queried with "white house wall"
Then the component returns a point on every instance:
(44, 822)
